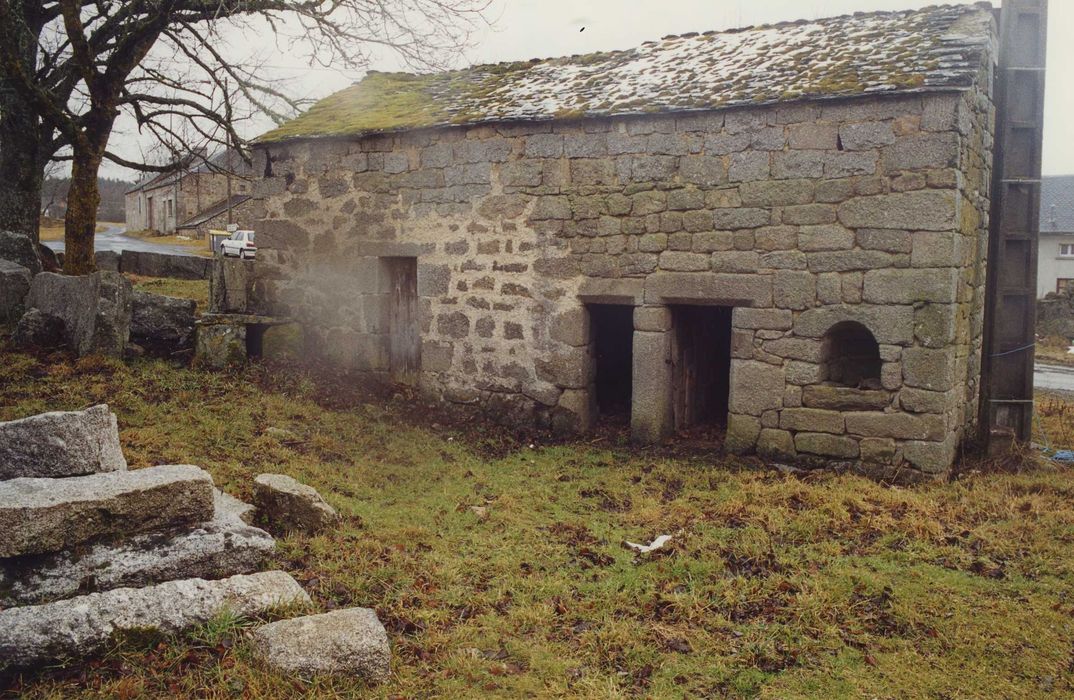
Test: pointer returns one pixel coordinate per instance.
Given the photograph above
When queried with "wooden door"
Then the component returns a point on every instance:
(405, 338)
(702, 365)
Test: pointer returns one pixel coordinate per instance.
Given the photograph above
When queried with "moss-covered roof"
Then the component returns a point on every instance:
(879, 52)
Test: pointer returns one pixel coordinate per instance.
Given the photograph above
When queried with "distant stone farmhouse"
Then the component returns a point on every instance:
(193, 198)
(780, 229)
(1055, 271)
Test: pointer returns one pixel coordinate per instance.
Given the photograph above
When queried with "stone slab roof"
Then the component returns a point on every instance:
(936, 48)
(214, 210)
(221, 162)
(1057, 204)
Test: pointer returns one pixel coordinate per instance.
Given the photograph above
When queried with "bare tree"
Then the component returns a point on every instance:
(52, 186)
(163, 62)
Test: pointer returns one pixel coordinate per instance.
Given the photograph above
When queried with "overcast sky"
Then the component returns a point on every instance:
(542, 28)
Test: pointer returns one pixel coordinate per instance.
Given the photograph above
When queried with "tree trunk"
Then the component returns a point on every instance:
(22, 138)
(21, 173)
(80, 222)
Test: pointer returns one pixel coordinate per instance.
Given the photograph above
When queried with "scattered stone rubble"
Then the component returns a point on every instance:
(100, 313)
(97, 313)
(161, 324)
(91, 552)
(290, 506)
(351, 641)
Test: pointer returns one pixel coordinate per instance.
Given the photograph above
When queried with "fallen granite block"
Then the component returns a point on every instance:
(289, 506)
(36, 329)
(81, 626)
(222, 547)
(61, 443)
(351, 641)
(96, 309)
(14, 286)
(19, 249)
(38, 516)
(162, 324)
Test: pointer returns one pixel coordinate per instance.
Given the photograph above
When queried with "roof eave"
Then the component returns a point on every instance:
(745, 104)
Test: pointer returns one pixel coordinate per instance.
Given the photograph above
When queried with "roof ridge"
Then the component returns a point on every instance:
(882, 52)
(977, 4)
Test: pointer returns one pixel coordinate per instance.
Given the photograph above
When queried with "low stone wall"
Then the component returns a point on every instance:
(184, 267)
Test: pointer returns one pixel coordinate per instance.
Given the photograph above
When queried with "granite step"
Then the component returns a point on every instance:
(221, 547)
(42, 515)
(82, 626)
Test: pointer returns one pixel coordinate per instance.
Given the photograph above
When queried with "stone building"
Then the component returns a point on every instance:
(1055, 258)
(779, 229)
(242, 210)
(165, 202)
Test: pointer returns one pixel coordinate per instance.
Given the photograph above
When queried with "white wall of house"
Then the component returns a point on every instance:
(152, 209)
(1055, 262)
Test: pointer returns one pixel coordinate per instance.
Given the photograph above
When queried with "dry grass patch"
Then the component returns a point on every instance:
(52, 229)
(1053, 350)
(198, 290)
(773, 586)
(192, 245)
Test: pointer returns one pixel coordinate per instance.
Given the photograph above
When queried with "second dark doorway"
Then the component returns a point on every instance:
(702, 365)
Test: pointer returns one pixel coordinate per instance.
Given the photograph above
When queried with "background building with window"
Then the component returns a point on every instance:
(194, 193)
(1055, 266)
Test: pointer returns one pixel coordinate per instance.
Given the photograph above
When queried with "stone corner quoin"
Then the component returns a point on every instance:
(803, 221)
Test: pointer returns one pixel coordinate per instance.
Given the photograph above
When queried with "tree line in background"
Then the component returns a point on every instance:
(113, 198)
(70, 68)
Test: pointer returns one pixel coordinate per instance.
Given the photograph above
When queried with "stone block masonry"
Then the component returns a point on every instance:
(813, 222)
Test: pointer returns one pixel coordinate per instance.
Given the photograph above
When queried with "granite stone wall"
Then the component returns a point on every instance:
(799, 216)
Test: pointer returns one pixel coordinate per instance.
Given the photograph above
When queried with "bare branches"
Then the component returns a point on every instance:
(97, 58)
(76, 65)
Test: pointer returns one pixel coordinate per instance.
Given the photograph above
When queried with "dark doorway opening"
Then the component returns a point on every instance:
(702, 367)
(255, 339)
(404, 341)
(612, 329)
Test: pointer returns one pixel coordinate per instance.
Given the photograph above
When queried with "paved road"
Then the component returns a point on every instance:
(115, 238)
(1054, 377)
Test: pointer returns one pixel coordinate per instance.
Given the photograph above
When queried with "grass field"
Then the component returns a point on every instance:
(1053, 350)
(496, 562)
(52, 229)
